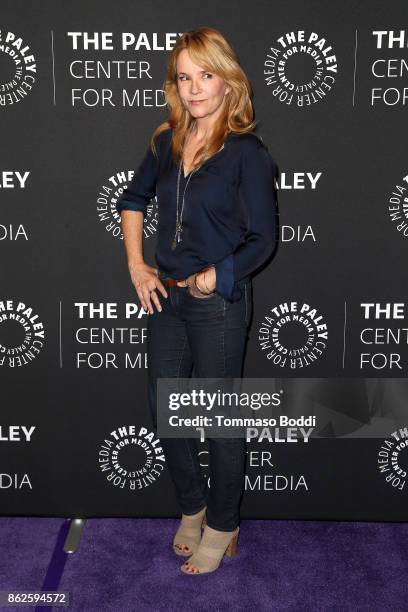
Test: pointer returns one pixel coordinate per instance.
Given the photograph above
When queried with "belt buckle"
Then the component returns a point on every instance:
(170, 282)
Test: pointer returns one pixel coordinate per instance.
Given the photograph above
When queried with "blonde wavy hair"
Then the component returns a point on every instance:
(208, 48)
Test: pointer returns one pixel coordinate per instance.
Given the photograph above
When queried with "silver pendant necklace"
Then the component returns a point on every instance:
(179, 211)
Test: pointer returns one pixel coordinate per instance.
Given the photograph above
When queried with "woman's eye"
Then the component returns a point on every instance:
(183, 77)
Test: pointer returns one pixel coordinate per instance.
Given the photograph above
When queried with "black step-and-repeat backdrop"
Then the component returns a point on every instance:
(81, 93)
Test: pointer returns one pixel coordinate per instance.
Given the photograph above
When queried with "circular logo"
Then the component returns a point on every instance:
(18, 68)
(131, 458)
(21, 334)
(392, 459)
(398, 207)
(301, 68)
(107, 199)
(293, 335)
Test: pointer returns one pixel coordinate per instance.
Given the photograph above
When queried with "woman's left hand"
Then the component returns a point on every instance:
(204, 280)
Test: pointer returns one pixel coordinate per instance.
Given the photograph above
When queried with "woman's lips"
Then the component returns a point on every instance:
(194, 102)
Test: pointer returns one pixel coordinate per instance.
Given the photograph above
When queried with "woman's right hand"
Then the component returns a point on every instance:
(146, 282)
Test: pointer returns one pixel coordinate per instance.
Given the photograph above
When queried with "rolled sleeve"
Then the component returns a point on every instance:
(258, 192)
(225, 277)
(142, 187)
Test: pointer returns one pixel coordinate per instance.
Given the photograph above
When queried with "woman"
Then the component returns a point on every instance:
(215, 185)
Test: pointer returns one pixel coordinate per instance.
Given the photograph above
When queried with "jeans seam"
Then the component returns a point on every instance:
(181, 356)
(246, 304)
(197, 475)
(185, 441)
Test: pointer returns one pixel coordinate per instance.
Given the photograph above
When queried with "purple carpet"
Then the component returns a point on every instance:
(128, 565)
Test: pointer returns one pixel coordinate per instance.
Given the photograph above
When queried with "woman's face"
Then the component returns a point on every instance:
(201, 92)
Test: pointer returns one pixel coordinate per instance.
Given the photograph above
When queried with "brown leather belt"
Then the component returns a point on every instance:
(170, 282)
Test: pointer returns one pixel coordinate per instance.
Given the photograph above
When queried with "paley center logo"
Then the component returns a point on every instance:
(398, 206)
(21, 334)
(107, 198)
(19, 68)
(293, 334)
(131, 458)
(301, 68)
(14, 434)
(392, 458)
(13, 180)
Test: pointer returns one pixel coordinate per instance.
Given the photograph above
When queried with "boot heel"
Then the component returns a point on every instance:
(232, 547)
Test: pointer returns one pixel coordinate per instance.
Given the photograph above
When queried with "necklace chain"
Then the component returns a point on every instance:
(179, 211)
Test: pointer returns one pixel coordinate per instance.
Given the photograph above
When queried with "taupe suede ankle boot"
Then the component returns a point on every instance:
(213, 546)
(188, 535)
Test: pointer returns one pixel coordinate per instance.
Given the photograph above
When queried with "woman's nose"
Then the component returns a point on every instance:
(194, 86)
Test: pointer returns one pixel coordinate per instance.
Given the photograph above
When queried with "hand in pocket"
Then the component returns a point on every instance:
(195, 282)
(193, 291)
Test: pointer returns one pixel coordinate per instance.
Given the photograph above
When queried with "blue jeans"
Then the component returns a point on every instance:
(208, 334)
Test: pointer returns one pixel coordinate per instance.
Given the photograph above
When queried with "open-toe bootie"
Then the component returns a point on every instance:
(188, 535)
(213, 546)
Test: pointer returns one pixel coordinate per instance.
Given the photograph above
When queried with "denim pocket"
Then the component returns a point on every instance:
(199, 298)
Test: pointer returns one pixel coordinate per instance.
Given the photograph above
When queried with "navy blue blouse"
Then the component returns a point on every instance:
(230, 216)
